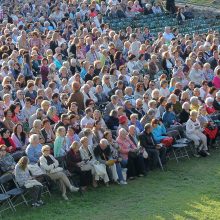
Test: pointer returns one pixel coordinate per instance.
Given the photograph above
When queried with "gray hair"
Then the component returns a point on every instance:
(209, 100)
(33, 137)
(103, 141)
(194, 99)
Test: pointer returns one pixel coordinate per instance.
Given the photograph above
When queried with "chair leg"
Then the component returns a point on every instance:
(25, 201)
(160, 163)
(174, 153)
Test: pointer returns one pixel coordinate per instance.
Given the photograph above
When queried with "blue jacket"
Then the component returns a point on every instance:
(159, 133)
(168, 118)
(34, 153)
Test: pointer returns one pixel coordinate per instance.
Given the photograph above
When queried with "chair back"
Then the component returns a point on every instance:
(6, 178)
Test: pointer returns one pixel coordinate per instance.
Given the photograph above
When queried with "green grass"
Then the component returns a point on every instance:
(188, 190)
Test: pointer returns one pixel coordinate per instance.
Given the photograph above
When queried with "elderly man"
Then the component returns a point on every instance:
(92, 55)
(103, 154)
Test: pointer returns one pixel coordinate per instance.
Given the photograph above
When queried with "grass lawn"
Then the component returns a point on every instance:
(188, 190)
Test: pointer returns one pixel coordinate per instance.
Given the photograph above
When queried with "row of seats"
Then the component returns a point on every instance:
(157, 23)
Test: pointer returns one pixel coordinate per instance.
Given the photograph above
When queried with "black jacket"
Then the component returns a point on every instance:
(102, 155)
(184, 116)
(216, 105)
(147, 141)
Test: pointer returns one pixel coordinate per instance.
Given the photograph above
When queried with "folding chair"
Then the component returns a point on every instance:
(179, 147)
(5, 203)
(9, 186)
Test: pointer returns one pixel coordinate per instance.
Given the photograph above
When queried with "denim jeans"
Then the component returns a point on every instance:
(119, 172)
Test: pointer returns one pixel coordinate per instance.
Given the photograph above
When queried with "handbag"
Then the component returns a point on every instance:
(31, 183)
(167, 142)
(86, 167)
(145, 154)
(100, 169)
(35, 170)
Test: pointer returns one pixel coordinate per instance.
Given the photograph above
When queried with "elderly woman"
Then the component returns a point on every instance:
(33, 150)
(207, 124)
(194, 103)
(51, 167)
(87, 155)
(184, 114)
(194, 133)
(131, 158)
(76, 165)
(26, 181)
(209, 106)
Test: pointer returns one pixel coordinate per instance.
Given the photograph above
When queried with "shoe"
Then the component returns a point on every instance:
(207, 153)
(40, 202)
(35, 205)
(131, 178)
(65, 197)
(74, 189)
(95, 184)
(196, 155)
(107, 184)
(122, 182)
(140, 175)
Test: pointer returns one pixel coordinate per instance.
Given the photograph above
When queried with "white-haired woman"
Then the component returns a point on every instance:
(51, 167)
(194, 133)
(130, 156)
(194, 103)
(209, 106)
(33, 150)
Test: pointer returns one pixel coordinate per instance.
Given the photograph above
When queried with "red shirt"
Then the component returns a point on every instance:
(12, 144)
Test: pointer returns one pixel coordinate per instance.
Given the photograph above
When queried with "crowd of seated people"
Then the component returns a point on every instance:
(81, 104)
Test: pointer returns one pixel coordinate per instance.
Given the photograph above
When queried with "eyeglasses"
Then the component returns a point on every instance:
(3, 149)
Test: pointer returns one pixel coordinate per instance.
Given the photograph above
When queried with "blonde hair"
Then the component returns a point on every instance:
(74, 145)
(23, 162)
(193, 113)
(59, 130)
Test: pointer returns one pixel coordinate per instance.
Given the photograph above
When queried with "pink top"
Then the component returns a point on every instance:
(216, 82)
(125, 146)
